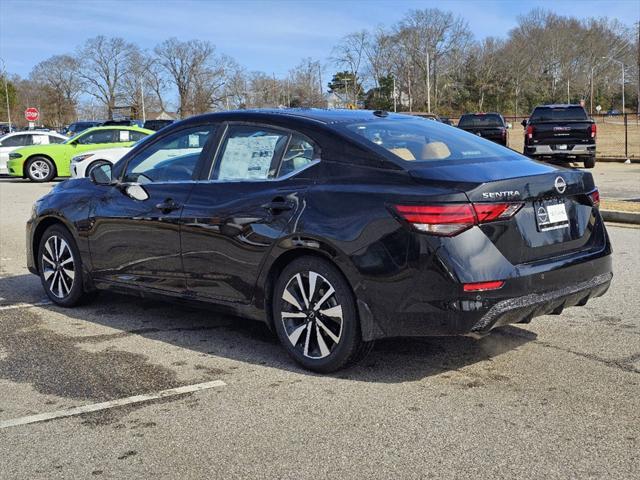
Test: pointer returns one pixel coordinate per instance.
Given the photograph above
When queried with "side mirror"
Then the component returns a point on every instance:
(102, 174)
(524, 123)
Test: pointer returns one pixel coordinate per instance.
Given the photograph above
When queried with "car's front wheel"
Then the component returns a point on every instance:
(61, 267)
(40, 169)
(315, 316)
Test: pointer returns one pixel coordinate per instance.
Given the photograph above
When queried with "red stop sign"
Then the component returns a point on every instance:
(32, 114)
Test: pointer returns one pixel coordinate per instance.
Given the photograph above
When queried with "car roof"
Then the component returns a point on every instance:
(119, 127)
(319, 115)
(560, 105)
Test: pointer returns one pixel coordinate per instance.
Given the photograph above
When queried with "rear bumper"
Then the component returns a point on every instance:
(551, 151)
(444, 309)
(523, 309)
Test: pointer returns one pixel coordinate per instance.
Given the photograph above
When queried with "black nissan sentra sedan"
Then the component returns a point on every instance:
(334, 227)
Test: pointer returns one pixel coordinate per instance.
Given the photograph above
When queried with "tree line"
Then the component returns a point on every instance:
(428, 61)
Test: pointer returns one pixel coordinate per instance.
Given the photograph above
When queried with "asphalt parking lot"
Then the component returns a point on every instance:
(558, 398)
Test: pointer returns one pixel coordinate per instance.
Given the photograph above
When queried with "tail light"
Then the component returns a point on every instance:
(451, 219)
(530, 131)
(504, 133)
(594, 130)
(482, 286)
(595, 198)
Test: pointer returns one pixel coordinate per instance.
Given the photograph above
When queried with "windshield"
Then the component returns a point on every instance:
(481, 120)
(421, 140)
(558, 114)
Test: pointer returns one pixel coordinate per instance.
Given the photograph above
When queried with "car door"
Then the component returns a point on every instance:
(10, 143)
(135, 232)
(255, 188)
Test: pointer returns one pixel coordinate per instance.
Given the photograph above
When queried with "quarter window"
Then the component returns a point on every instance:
(135, 136)
(300, 153)
(172, 159)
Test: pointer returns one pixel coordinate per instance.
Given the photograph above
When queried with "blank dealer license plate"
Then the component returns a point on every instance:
(551, 215)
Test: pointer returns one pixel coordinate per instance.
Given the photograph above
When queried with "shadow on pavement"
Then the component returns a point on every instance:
(210, 333)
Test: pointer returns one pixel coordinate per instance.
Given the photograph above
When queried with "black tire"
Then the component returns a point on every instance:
(61, 278)
(93, 165)
(40, 169)
(590, 162)
(308, 332)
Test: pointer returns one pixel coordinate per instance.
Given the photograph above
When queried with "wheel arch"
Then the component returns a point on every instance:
(38, 233)
(368, 326)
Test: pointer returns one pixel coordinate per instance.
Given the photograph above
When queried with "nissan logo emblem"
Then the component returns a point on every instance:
(542, 215)
(560, 184)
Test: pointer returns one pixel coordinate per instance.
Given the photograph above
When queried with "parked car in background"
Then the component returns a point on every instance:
(334, 227)
(13, 141)
(127, 122)
(78, 127)
(157, 124)
(613, 112)
(41, 163)
(81, 165)
(561, 133)
(6, 128)
(489, 125)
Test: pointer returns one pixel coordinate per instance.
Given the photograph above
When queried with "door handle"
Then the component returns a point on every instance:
(169, 205)
(278, 205)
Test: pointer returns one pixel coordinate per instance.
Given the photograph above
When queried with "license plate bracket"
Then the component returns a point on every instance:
(551, 214)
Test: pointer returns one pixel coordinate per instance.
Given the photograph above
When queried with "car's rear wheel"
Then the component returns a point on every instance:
(61, 267)
(315, 316)
(590, 162)
(40, 169)
(92, 165)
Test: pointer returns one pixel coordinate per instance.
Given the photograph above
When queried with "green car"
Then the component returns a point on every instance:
(41, 163)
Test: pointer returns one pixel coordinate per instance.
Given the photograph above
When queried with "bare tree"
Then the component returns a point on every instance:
(191, 65)
(59, 76)
(103, 66)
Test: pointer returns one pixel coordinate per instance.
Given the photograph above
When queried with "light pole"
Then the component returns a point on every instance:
(622, 65)
(6, 93)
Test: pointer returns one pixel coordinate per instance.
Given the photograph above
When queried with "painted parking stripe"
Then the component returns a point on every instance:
(70, 412)
(24, 305)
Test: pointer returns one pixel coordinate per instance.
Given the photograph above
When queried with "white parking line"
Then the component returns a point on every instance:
(69, 412)
(24, 305)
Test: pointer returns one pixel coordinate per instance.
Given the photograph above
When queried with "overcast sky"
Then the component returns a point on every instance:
(271, 36)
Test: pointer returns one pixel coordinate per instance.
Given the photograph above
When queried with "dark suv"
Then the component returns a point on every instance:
(561, 133)
(487, 125)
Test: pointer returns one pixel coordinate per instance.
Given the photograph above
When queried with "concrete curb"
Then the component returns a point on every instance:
(620, 217)
(616, 160)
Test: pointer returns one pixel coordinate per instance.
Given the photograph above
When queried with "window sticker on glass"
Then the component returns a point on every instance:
(124, 135)
(248, 157)
(194, 141)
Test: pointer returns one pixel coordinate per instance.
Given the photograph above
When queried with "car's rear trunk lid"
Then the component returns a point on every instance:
(556, 218)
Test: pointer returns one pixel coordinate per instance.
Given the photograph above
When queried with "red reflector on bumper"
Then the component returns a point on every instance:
(482, 286)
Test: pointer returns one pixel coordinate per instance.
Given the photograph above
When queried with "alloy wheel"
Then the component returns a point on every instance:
(58, 266)
(311, 315)
(39, 169)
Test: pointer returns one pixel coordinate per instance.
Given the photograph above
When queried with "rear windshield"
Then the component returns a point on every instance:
(421, 140)
(558, 114)
(488, 120)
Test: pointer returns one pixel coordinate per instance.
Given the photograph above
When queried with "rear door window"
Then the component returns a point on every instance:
(250, 153)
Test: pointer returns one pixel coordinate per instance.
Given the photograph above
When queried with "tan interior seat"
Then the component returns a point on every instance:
(435, 151)
(403, 153)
